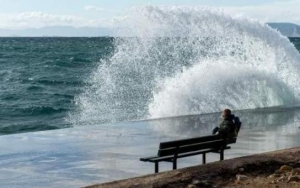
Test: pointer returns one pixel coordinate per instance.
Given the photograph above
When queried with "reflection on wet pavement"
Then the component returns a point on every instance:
(86, 155)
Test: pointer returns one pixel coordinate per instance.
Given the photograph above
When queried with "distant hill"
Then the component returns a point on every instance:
(287, 29)
(61, 31)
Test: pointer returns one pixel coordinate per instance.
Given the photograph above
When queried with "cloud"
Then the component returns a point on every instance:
(279, 11)
(93, 8)
(40, 19)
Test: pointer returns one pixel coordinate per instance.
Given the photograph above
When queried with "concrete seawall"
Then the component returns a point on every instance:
(260, 163)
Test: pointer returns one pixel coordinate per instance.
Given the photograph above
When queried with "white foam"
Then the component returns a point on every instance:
(212, 86)
(186, 60)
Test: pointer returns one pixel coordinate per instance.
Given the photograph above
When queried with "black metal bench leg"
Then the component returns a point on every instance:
(174, 164)
(203, 158)
(175, 159)
(156, 167)
(222, 154)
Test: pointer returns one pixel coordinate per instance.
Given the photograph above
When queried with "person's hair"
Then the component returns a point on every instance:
(227, 112)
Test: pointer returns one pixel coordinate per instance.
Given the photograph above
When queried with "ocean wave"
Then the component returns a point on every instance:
(34, 88)
(187, 60)
(58, 82)
(194, 90)
(41, 110)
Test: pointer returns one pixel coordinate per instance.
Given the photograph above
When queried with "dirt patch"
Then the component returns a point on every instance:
(273, 175)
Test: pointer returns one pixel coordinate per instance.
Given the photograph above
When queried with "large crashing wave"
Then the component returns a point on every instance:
(185, 60)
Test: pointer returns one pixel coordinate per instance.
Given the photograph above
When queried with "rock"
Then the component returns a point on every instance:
(271, 176)
(191, 186)
(202, 183)
(293, 179)
(195, 182)
(274, 176)
(280, 179)
(296, 171)
(240, 177)
(285, 168)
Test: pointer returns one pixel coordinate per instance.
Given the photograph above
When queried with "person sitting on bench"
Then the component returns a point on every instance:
(171, 151)
(227, 128)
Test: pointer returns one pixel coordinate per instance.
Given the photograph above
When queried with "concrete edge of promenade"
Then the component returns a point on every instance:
(182, 177)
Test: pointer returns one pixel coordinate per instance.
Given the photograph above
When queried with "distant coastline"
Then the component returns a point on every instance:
(287, 29)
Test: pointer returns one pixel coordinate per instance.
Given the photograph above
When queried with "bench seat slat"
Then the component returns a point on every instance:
(191, 148)
(188, 141)
(145, 159)
(170, 157)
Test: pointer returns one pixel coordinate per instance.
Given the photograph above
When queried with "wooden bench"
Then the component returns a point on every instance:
(173, 150)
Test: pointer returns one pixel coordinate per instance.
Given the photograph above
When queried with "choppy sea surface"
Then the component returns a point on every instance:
(39, 78)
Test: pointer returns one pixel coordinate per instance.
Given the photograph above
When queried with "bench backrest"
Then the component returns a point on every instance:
(190, 145)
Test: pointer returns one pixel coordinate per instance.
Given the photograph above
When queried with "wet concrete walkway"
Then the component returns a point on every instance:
(82, 156)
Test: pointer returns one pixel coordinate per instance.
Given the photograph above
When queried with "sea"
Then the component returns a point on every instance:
(41, 79)
(80, 111)
(45, 81)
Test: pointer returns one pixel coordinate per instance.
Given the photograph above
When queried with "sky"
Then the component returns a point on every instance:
(22, 14)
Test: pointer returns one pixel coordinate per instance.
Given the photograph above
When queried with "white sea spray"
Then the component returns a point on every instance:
(189, 60)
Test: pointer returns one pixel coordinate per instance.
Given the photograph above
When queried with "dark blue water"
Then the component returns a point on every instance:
(40, 77)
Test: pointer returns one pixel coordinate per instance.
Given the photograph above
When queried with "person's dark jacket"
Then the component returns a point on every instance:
(227, 128)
